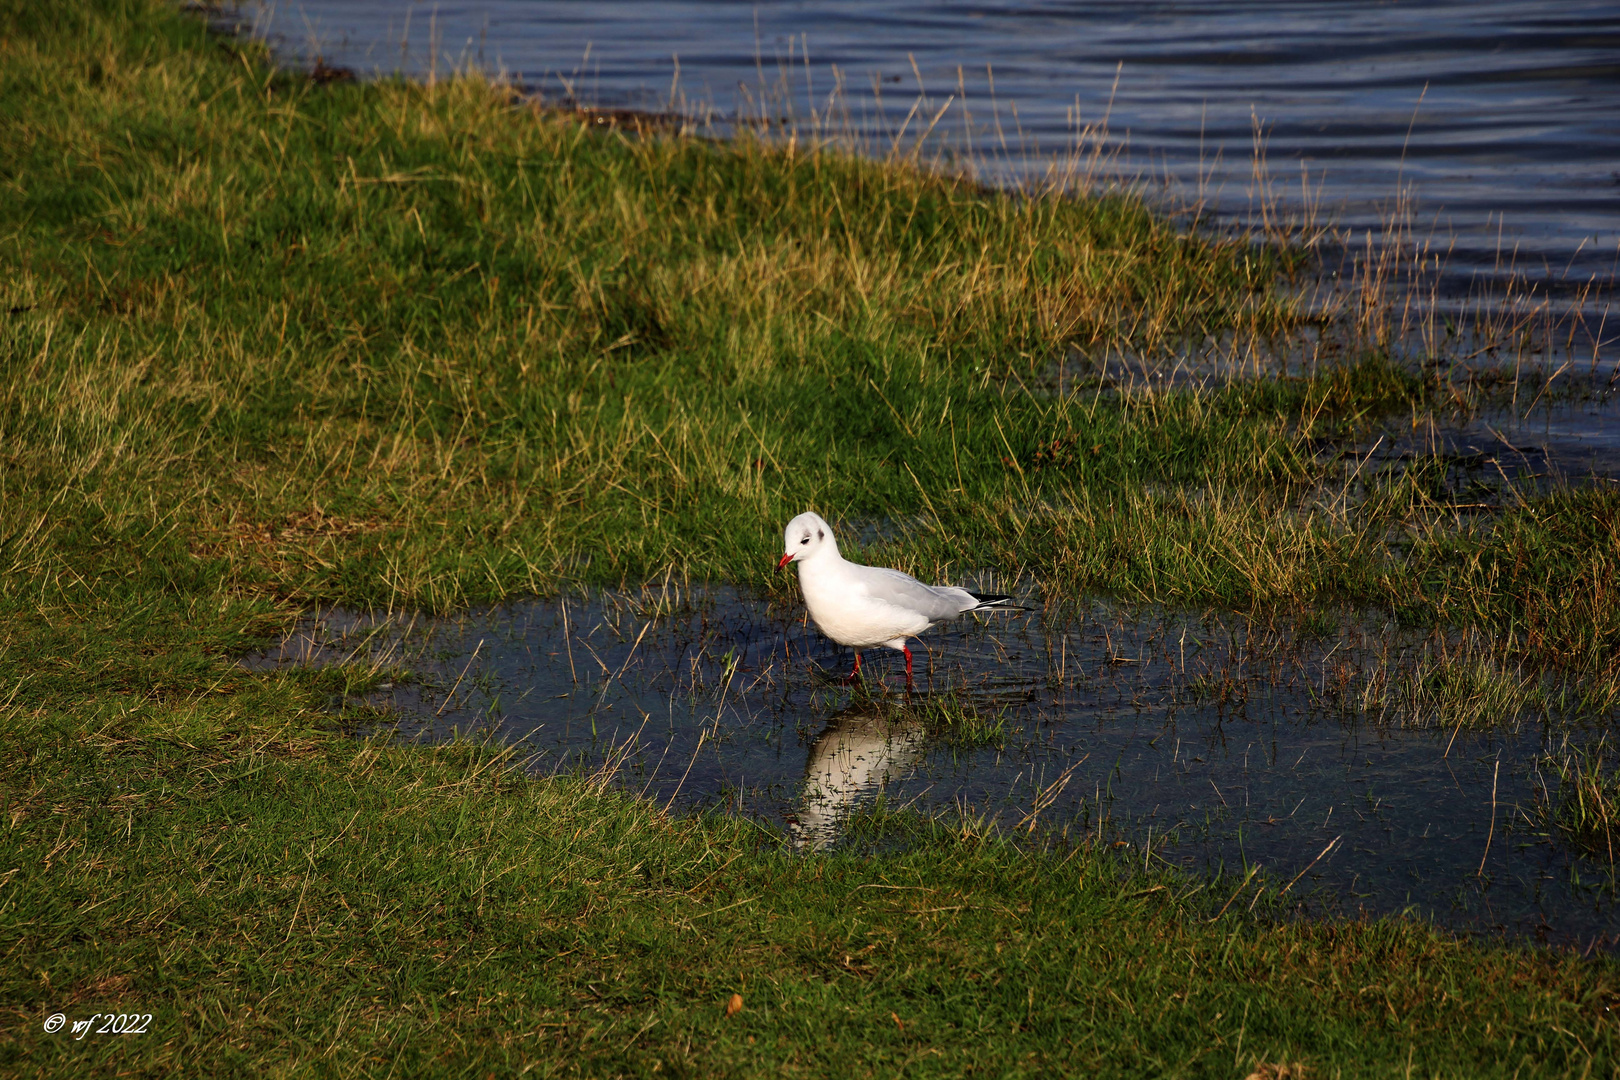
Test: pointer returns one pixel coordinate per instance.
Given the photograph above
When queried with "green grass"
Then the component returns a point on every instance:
(1587, 807)
(409, 346)
(267, 343)
(283, 901)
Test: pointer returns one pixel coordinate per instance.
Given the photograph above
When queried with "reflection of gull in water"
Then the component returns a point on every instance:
(858, 755)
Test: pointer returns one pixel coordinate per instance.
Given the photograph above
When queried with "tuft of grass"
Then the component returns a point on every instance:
(973, 730)
(957, 722)
(1587, 808)
(1466, 689)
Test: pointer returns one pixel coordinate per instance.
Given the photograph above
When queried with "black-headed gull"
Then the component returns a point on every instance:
(862, 606)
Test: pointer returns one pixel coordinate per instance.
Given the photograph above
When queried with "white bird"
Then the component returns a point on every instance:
(862, 606)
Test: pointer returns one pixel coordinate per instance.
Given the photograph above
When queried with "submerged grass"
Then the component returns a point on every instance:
(951, 717)
(1463, 684)
(267, 342)
(1587, 807)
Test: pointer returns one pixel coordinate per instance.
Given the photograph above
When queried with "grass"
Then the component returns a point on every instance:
(950, 717)
(408, 346)
(282, 902)
(1462, 684)
(268, 343)
(1587, 807)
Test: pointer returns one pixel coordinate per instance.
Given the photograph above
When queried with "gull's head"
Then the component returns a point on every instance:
(806, 537)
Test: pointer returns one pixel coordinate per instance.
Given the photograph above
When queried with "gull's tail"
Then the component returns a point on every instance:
(986, 601)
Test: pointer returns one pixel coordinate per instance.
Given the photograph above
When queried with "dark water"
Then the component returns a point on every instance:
(1503, 119)
(1202, 740)
(1499, 456)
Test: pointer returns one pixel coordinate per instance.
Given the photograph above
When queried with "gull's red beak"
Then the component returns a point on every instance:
(785, 560)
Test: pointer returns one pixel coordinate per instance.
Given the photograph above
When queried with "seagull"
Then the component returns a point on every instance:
(862, 606)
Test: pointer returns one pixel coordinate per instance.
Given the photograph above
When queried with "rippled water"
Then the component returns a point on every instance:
(1500, 116)
(1200, 739)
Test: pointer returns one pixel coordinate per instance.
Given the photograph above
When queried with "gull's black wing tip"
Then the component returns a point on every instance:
(995, 600)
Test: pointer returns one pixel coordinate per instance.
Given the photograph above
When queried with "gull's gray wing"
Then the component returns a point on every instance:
(934, 603)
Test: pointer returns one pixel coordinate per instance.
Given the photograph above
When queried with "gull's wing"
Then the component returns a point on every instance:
(934, 603)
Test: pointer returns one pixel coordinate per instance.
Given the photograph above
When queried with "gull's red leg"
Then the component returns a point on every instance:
(857, 672)
(907, 651)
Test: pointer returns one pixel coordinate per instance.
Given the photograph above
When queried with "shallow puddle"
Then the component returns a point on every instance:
(1564, 442)
(1209, 741)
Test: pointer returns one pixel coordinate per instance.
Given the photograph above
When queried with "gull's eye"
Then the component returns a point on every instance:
(806, 540)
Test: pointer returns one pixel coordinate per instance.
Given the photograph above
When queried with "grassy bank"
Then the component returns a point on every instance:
(267, 342)
(390, 344)
(284, 901)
